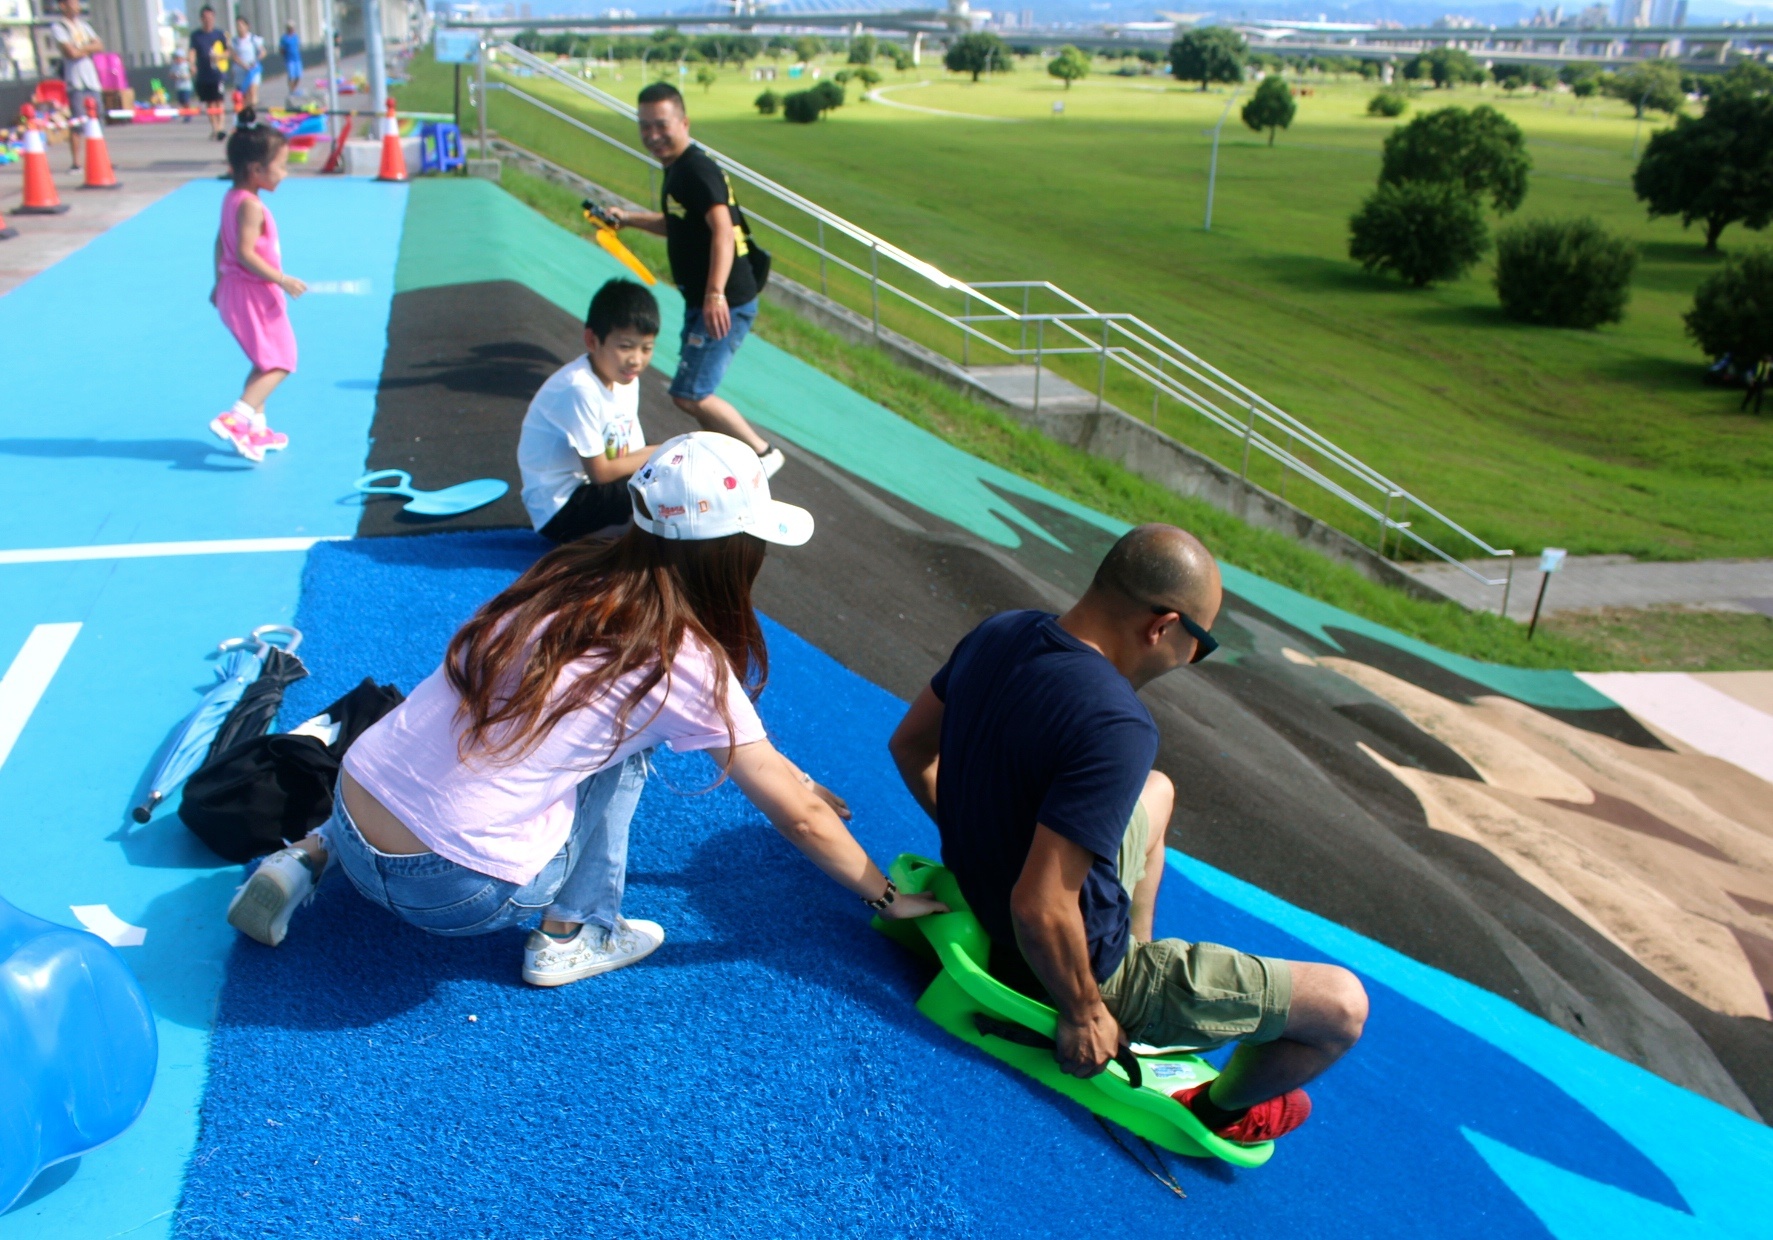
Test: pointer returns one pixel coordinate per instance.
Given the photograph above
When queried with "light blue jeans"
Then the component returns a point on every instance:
(581, 883)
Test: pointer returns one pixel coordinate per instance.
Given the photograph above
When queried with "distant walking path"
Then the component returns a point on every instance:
(880, 96)
(1592, 581)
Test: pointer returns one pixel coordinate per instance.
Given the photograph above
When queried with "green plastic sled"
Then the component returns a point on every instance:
(974, 1006)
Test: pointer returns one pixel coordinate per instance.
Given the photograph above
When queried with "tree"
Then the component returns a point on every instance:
(768, 102)
(706, 77)
(1733, 310)
(1481, 151)
(1388, 103)
(1717, 168)
(1444, 66)
(863, 50)
(828, 94)
(1510, 77)
(1371, 70)
(779, 45)
(800, 107)
(977, 54)
(1271, 107)
(902, 58)
(1423, 231)
(1563, 273)
(869, 77)
(1069, 64)
(1209, 54)
(1653, 84)
(809, 47)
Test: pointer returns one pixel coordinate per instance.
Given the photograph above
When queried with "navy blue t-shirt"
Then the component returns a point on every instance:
(1038, 728)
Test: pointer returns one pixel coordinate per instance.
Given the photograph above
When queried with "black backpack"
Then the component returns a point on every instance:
(264, 792)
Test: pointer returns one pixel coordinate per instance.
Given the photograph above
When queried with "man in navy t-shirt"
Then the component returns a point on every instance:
(1033, 753)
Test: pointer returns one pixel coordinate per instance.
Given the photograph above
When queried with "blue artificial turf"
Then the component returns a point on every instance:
(766, 1072)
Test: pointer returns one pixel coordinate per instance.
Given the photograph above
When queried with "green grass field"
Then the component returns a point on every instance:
(1597, 441)
(1667, 639)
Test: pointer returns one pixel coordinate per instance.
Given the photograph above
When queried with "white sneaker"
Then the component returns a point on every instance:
(773, 460)
(262, 906)
(548, 961)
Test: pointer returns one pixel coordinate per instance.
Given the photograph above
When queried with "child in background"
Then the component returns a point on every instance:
(250, 286)
(581, 437)
(181, 84)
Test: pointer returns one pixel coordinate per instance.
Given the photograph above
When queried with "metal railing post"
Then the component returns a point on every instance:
(1243, 474)
(1507, 586)
(822, 288)
(1024, 320)
(966, 337)
(874, 285)
(480, 83)
(1102, 368)
(1385, 520)
(1040, 340)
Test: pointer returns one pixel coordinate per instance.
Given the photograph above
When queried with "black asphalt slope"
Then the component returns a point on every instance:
(1264, 751)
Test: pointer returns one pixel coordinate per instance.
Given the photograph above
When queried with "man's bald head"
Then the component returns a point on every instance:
(1164, 565)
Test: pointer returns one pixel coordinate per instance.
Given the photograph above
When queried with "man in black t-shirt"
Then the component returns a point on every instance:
(710, 253)
(1033, 753)
(206, 74)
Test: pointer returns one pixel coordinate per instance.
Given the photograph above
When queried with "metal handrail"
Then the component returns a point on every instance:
(1133, 346)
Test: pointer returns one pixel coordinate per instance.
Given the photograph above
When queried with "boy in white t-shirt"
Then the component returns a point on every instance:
(581, 438)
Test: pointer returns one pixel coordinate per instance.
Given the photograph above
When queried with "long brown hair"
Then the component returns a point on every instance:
(630, 601)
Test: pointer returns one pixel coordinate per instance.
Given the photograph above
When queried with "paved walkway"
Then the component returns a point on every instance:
(1592, 581)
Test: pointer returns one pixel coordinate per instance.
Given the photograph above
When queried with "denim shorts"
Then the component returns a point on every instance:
(702, 362)
(581, 883)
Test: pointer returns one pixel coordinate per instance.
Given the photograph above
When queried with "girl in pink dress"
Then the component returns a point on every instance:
(250, 286)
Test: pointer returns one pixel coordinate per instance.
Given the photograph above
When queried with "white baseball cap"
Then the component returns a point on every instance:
(708, 485)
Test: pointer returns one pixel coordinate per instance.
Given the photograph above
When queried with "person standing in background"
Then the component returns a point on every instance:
(291, 47)
(710, 253)
(208, 52)
(77, 40)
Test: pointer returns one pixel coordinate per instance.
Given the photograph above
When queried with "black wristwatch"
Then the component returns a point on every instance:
(886, 897)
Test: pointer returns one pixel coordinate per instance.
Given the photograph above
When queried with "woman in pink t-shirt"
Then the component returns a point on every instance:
(503, 787)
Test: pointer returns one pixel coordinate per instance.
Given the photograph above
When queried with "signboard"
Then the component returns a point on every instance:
(456, 47)
(1551, 559)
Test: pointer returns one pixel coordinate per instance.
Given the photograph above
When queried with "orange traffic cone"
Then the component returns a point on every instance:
(99, 173)
(40, 195)
(393, 158)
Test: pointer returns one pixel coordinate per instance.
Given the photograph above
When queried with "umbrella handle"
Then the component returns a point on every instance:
(258, 643)
(367, 483)
(145, 810)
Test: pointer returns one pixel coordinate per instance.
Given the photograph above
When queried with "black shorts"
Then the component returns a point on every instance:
(594, 506)
(209, 87)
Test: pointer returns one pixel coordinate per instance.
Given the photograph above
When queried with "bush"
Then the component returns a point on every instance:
(1388, 103)
(1733, 309)
(800, 107)
(768, 102)
(1482, 151)
(828, 95)
(1563, 273)
(1423, 231)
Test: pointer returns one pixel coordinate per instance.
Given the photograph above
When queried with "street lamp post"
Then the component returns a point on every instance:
(1213, 167)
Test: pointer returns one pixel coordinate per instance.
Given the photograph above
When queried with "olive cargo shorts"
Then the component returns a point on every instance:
(1201, 995)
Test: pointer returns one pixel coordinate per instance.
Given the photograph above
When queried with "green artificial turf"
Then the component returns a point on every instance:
(1687, 640)
(1599, 441)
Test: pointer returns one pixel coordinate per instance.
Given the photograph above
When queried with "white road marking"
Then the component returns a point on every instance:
(99, 919)
(29, 675)
(149, 550)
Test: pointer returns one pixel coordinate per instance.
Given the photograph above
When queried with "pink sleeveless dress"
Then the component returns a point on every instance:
(255, 310)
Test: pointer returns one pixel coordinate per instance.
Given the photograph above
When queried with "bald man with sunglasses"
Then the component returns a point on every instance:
(1033, 753)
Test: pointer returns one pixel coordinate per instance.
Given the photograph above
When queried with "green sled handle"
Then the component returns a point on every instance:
(959, 944)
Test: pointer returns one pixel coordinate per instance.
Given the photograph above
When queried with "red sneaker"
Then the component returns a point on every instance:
(1263, 1122)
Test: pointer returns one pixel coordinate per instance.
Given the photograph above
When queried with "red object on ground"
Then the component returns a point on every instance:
(393, 158)
(99, 173)
(335, 158)
(40, 195)
(1263, 1122)
(51, 90)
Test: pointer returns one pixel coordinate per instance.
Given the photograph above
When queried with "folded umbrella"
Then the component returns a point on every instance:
(238, 668)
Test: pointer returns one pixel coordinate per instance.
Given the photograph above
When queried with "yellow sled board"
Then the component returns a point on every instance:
(963, 997)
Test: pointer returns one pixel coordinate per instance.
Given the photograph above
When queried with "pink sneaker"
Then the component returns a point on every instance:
(238, 431)
(228, 424)
(268, 440)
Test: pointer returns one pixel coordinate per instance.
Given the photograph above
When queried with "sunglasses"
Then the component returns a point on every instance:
(1204, 642)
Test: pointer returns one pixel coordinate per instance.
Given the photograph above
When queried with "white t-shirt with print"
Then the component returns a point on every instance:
(573, 416)
(79, 74)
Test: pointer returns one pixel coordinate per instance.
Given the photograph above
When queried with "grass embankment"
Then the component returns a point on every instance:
(1599, 441)
(1688, 641)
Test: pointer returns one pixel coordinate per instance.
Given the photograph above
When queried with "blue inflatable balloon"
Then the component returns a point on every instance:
(77, 1046)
